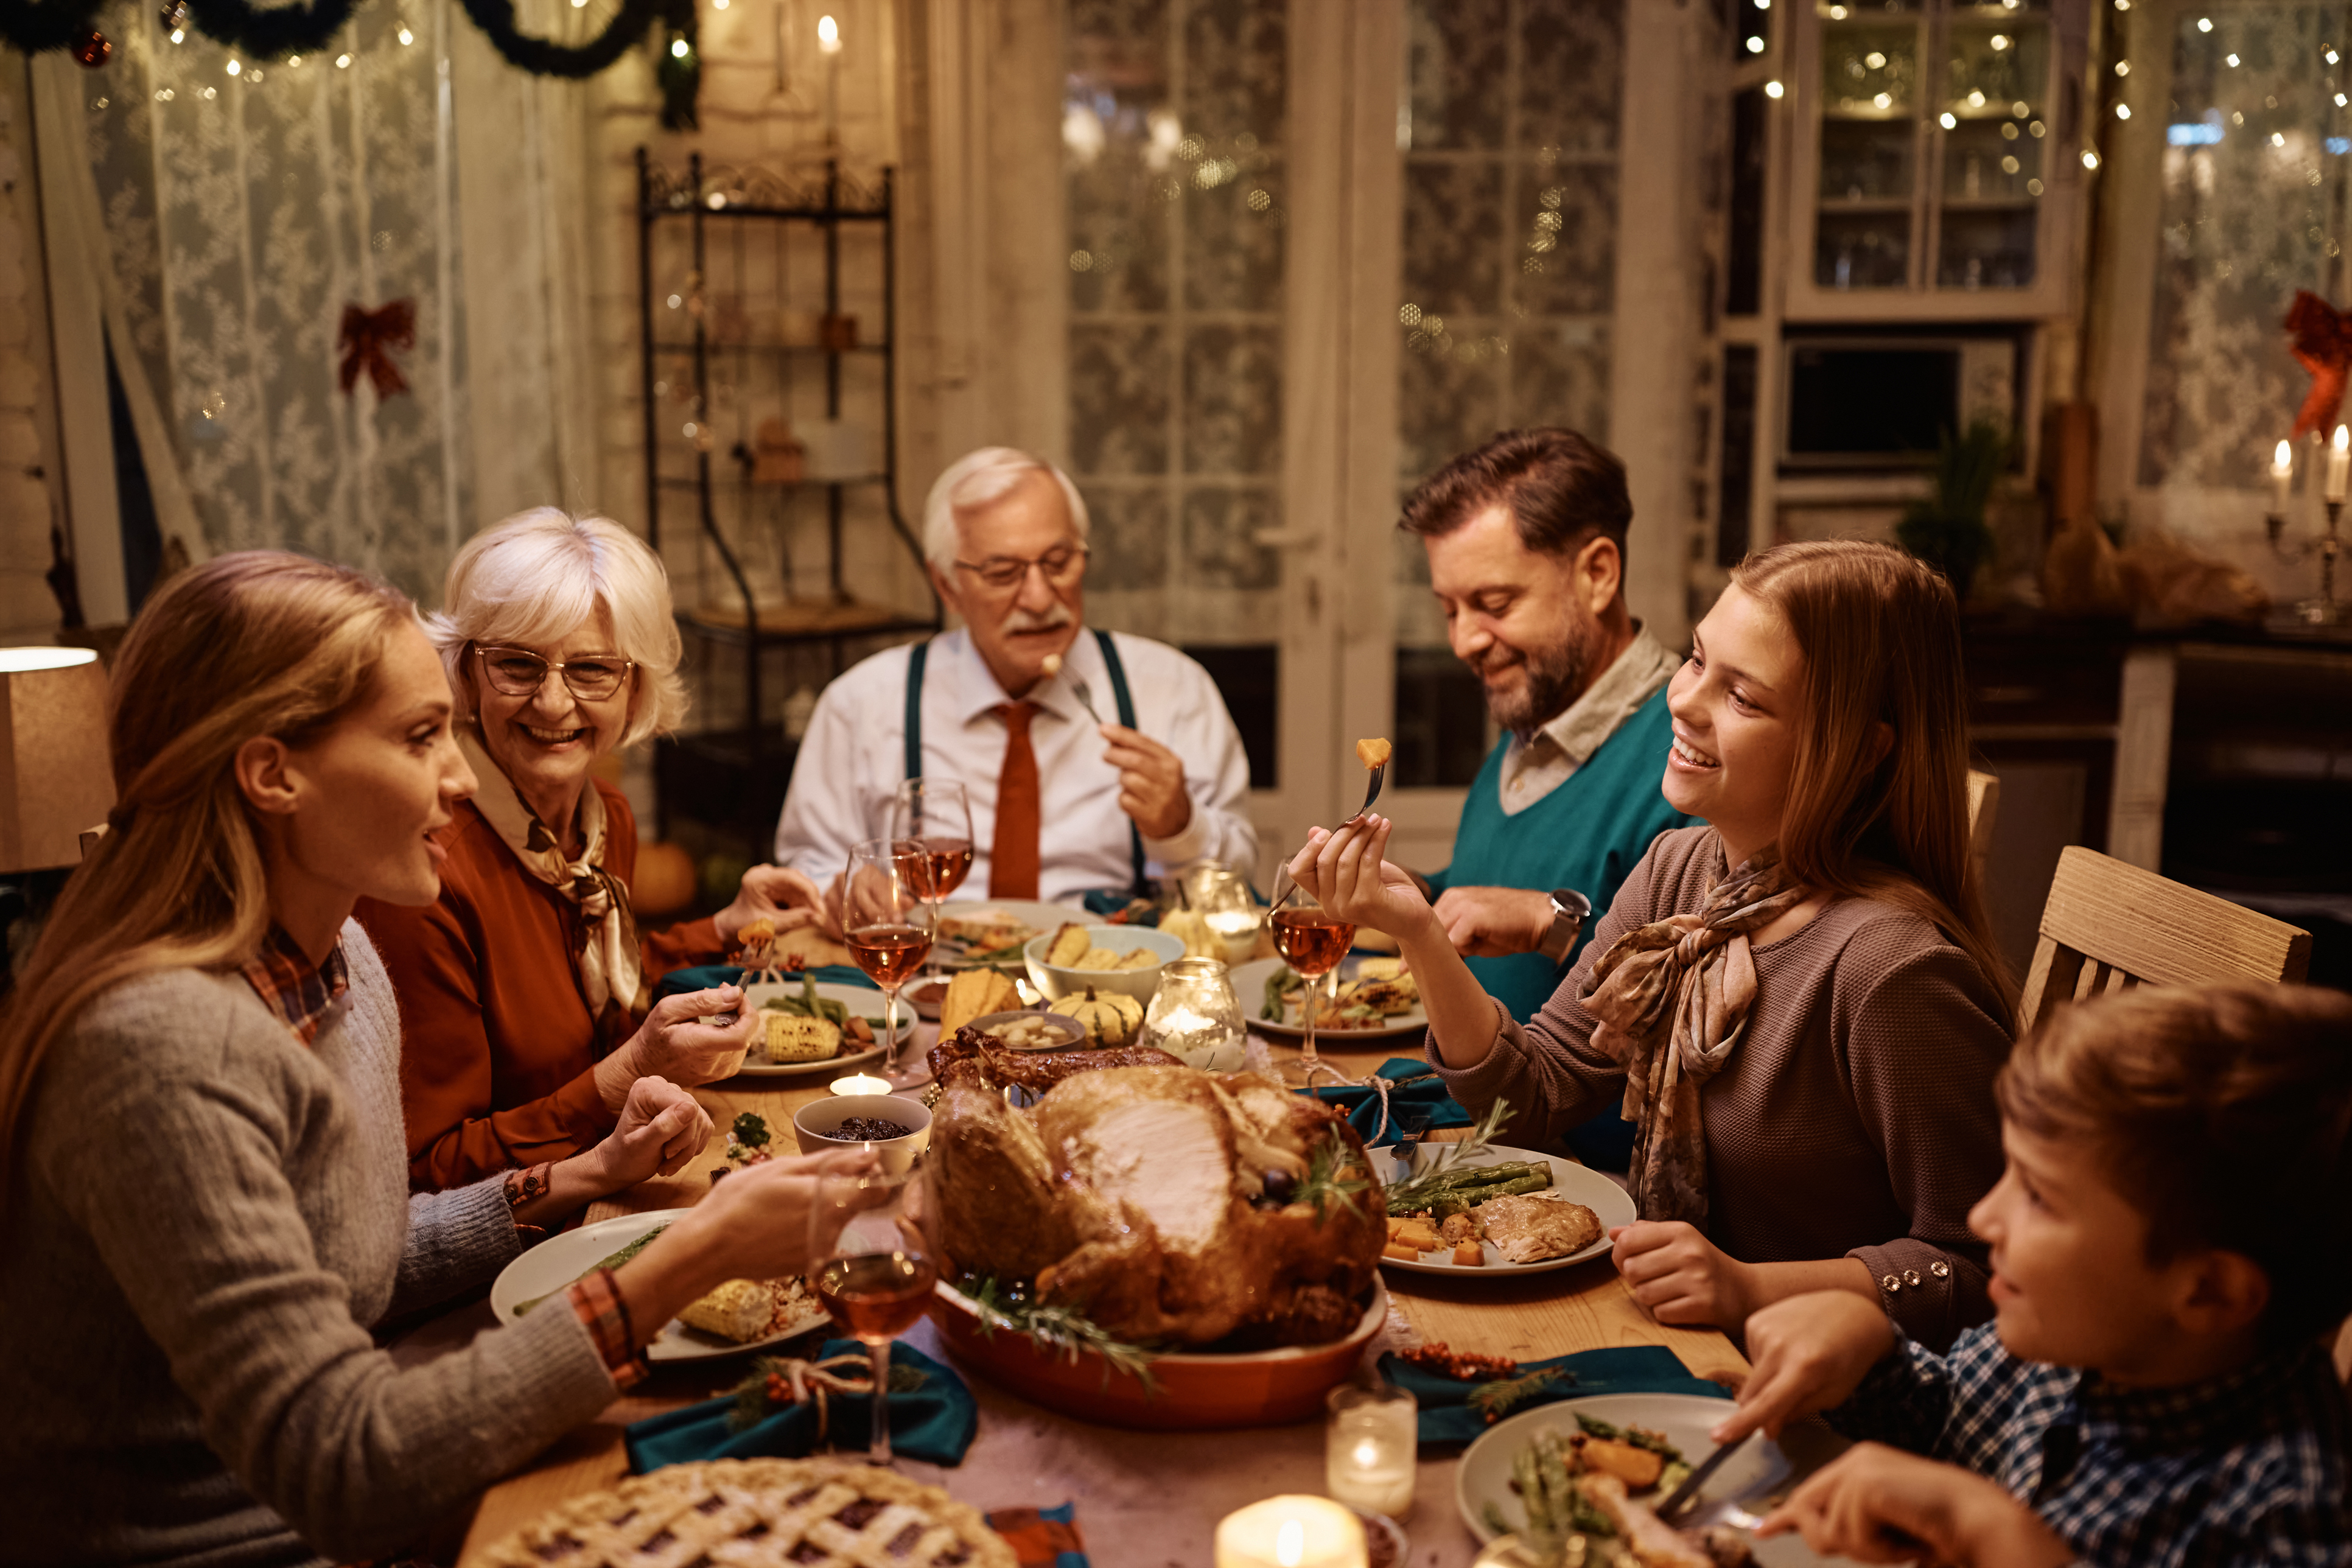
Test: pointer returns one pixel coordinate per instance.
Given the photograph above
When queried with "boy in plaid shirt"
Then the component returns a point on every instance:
(2172, 1249)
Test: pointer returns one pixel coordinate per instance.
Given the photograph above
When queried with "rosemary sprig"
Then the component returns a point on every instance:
(1323, 1183)
(1494, 1400)
(1061, 1331)
(1417, 1193)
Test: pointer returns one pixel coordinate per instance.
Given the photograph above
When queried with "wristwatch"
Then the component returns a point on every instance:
(1570, 909)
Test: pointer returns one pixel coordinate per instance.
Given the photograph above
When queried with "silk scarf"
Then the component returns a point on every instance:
(607, 961)
(1672, 999)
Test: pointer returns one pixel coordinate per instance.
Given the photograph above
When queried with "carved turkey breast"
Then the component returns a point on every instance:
(1172, 1206)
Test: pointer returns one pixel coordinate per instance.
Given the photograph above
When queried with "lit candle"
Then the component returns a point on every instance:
(2340, 463)
(2282, 476)
(858, 1083)
(828, 41)
(1369, 1448)
(1291, 1533)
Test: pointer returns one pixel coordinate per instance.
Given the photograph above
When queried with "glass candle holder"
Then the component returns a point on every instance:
(1291, 1533)
(1371, 1445)
(1221, 897)
(1196, 1016)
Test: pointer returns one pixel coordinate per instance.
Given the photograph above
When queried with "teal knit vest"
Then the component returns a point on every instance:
(1585, 834)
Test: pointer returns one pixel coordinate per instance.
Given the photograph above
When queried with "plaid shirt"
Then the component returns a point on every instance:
(291, 987)
(2250, 1469)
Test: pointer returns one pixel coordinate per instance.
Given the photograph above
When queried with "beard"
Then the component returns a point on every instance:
(1555, 676)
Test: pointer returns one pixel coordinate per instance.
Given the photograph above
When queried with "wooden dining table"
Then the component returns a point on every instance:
(1043, 1458)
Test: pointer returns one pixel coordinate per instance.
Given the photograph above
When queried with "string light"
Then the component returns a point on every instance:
(233, 68)
(2122, 111)
(405, 37)
(178, 34)
(2233, 60)
(2122, 68)
(2204, 23)
(828, 34)
(1755, 45)
(1951, 122)
(1772, 89)
(2090, 159)
(342, 62)
(677, 49)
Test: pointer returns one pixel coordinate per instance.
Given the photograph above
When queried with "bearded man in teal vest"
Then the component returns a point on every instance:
(1526, 555)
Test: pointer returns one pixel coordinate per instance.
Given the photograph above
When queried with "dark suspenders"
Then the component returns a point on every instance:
(1120, 696)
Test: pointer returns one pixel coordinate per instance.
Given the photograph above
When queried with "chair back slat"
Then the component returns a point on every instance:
(2109, 926)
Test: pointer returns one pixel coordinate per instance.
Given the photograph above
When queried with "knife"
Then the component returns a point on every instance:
(1678, 1502)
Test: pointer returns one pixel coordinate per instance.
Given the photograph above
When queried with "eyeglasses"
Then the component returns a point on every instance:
(519, 672)
(1060, 565)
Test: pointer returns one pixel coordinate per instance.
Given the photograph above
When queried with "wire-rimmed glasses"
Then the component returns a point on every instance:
(519, 672)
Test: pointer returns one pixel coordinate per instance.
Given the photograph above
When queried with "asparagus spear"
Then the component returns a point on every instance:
(614, 1261)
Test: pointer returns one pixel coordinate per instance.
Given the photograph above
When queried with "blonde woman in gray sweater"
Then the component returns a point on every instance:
(203, 1188)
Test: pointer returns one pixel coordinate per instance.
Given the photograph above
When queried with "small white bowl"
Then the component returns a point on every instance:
(814, 1124)
(1058, 983)
(1068, 1034)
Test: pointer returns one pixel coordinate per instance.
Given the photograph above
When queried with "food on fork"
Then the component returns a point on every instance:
(1051, 664)
(975, 993)
(1372, 753)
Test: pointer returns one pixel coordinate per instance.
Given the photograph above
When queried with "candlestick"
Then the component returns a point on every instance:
(828, 41)
(1371, 1445)
(1291, 1533)
(2340, 463)
(2282, 479)
(858, 1083)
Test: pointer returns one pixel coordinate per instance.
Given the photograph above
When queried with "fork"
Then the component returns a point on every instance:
(1371, 790)
(1054, 665)
(1412, 1126)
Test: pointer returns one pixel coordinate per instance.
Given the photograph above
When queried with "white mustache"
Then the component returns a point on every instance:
(1034, 621)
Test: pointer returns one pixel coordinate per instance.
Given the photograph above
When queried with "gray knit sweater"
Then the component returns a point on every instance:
(203, 1220)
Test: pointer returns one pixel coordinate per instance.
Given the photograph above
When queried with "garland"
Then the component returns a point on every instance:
(35, 26)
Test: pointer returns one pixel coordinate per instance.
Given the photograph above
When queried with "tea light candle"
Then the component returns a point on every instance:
(2282, 477)
(1370, 1446)
(1291, 1533)
(2340, 463)
(858, 1083)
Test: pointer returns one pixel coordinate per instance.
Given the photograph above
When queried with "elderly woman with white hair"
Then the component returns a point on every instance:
(996, 704)
(519, 987)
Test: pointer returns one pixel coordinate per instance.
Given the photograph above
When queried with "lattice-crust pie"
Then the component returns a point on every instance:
(750, 1513)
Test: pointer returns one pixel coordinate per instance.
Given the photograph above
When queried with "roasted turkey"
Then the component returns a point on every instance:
(1172, 1206)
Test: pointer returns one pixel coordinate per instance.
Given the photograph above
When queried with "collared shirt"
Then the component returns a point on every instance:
(297, 991)
(1535, 765)
(2246, 1469)
(854, 758)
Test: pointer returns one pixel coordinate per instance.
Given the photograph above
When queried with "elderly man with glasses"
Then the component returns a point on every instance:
(1062, 804)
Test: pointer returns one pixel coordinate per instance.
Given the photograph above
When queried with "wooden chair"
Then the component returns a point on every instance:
(1984, 801)
(2109, 926)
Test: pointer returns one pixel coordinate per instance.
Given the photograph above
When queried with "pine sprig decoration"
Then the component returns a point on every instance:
(1061, 1331)
(1494, 1399)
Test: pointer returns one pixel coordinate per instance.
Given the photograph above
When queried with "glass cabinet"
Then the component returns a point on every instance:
(1933, 174)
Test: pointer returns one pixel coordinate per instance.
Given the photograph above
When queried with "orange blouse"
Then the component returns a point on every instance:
(498, 1046)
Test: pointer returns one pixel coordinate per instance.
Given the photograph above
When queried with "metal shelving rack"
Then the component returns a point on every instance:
(695, 764)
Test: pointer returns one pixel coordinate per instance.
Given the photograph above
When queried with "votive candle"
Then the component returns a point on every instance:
(2340, 463)
(858, 1083)
(2282, 477)
(1291, 1531)
(1371, 1444)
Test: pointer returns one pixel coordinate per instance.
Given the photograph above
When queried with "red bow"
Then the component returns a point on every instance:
(367, 335)
(2322, 345)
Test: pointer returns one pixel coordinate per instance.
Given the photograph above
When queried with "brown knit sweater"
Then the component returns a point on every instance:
(1855, 1120)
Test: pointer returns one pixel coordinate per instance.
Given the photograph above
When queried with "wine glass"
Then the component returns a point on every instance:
(935, 816)
(888, 924)
(871, 1270)
(1311, 940)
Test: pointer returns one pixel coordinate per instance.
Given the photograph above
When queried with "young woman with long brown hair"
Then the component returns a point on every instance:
(204, 1185)
(1799, 1002)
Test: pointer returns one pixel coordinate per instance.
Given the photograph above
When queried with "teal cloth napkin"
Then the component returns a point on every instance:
(934, 1423)
(1422, 1090)
(1446, 1415)
(702, 977)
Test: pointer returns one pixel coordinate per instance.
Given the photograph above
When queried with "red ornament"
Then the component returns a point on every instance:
(2322, 345)
(366, 341)
(92, 48)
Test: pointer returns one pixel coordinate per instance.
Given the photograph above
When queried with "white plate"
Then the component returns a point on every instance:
(1249, 985)
(1749, 1481)
(1577, 1184)
(861, 1000)
(555, 1263)
(1038, 917)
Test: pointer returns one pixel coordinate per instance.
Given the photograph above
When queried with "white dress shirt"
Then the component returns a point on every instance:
(854, 758)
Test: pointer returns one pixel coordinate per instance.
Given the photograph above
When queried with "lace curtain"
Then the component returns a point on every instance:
(246, 206)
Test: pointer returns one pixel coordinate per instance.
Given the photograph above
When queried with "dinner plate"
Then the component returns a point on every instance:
(1249, 985)
(1031, 912)
(1577, 1184)
(1746, 1486)
(862, 1000)
(555, 1263)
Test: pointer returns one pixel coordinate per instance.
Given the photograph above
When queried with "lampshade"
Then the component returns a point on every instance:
(55, 778)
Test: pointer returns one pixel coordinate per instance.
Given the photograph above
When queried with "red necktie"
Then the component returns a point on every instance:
(1013, 858)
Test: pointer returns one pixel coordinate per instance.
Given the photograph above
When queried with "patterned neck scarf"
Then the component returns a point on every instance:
(607, 961)
(1673, 999)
